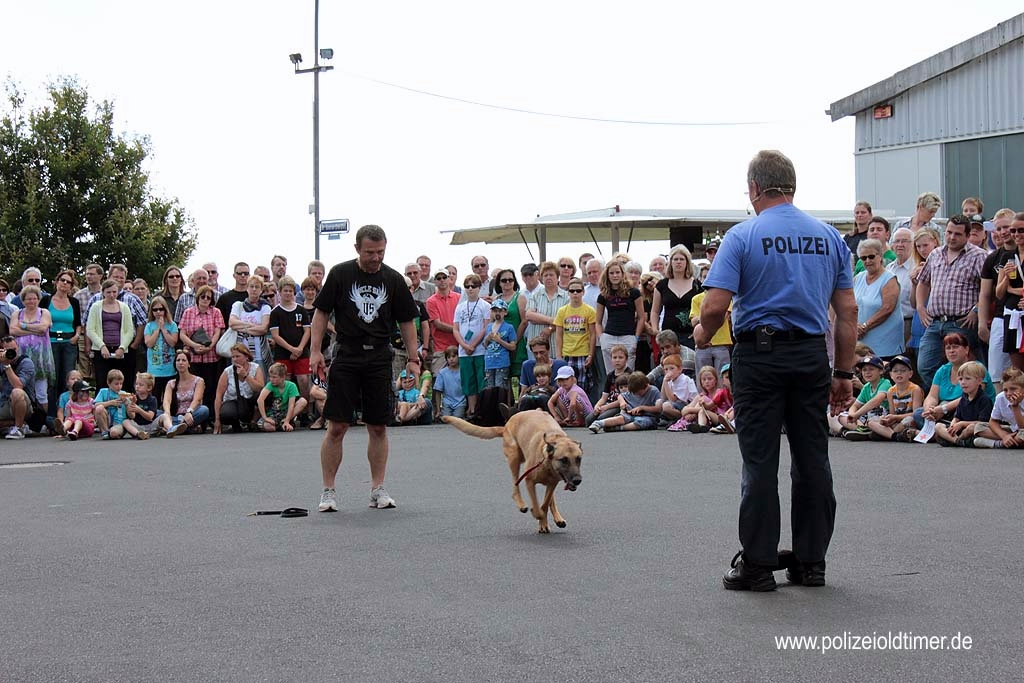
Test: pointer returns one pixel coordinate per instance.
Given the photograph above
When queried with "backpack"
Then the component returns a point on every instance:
(487, 411)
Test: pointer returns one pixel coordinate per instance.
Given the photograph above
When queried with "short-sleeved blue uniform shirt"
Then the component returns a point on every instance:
(782, 267)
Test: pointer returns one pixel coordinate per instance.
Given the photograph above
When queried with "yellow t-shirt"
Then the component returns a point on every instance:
(575, 324)
(723, 336)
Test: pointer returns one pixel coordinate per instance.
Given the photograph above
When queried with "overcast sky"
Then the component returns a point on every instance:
(230, 124)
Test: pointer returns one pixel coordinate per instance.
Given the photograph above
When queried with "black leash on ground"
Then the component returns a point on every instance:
(287, 512)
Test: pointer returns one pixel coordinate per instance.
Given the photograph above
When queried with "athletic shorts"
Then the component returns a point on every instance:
(361, 380)
(299, 366)
(471, 374)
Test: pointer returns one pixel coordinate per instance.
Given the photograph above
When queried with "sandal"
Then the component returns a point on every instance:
(318, 424)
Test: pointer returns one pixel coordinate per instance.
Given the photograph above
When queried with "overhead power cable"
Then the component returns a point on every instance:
(574, 117)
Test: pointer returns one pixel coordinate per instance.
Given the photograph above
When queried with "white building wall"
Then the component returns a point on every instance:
(892, 179)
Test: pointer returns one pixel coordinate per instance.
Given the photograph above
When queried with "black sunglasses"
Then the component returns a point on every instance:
(575, 291)
(159, 308)
(472, 286)
(509, 280)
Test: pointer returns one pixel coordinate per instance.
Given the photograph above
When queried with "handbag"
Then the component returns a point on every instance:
(201, 337)
(226, 341)
(243, 405)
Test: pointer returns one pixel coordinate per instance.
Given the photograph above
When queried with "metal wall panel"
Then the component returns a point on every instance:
(892, 179)
(984, 97)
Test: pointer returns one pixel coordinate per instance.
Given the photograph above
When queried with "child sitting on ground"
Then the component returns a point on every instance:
(410, 403)
(569, 405)
(285, 402)
(537, 395)
(870, 403)
(677, 389)
(640, 406)
(620, 356)
(1006, 422)
(448, 396)
(78, 413)
(904, 398)
(59, 430)
(975, 406)
(141, 408)
(111, 406)
(608, 406)
(694, 416)
(726, 418)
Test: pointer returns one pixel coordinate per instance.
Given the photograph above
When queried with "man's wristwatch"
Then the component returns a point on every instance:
(842, 374)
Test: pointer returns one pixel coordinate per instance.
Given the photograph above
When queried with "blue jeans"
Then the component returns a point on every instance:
(199, 416)
(932, 354)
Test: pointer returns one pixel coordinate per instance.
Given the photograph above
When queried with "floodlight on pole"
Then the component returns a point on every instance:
(296, 59)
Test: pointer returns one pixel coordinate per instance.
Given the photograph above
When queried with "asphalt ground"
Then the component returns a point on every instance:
(137, 562)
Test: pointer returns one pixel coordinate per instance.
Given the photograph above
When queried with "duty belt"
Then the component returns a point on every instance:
(778, 335)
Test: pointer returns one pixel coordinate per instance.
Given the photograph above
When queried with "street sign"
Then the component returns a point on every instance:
(336, 226)
(334, 236)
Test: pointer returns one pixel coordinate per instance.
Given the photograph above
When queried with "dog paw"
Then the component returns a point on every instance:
(544, 530)
(523, 509)
(560, 525)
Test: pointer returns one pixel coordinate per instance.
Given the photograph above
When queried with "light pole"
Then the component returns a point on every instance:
(296, 59)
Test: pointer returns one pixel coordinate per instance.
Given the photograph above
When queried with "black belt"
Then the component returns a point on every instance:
(357, 346)
(61, 336)
(951, 318)
(778, 335)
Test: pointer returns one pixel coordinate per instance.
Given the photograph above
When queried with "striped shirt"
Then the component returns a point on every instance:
(540, 303)
(954, 286)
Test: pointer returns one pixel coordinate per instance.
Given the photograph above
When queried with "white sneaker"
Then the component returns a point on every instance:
(596, 426)
(380, 499)
(328, 501)
(14, 433)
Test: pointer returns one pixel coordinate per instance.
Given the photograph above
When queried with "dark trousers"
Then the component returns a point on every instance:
(126, 365)
(786, 386)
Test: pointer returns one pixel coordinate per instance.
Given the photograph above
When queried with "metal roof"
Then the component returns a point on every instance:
(1002, 34)
(614, 225)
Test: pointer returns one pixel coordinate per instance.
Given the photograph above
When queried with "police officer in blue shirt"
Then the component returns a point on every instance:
(782, 270)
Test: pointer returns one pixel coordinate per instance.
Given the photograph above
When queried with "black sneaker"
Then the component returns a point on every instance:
(811, 574)
(748, 577)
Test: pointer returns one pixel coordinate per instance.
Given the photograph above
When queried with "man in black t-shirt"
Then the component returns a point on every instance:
(367, 299)
(992, 309)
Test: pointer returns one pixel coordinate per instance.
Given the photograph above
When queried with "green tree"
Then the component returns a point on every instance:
(73, 191)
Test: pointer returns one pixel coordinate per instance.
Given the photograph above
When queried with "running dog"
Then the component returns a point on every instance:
(534, 439)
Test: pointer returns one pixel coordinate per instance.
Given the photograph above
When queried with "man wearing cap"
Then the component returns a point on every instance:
(531, 278)
(782, 270)
(16, 373)
(947, 295)
(712, 249)
(441, 312)
(977, 235)
(367, 299)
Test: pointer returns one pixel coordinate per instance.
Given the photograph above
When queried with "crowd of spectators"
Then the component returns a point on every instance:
(604, 345)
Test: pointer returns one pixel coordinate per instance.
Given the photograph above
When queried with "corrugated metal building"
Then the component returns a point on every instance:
(952, 124)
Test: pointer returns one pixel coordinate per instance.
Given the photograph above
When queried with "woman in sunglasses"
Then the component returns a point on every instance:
(66, 314)
(173, 286)
(161, 335)
(508, 291)
(200, 329)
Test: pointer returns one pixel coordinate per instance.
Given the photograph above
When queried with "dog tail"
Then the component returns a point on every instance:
(472, 429)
